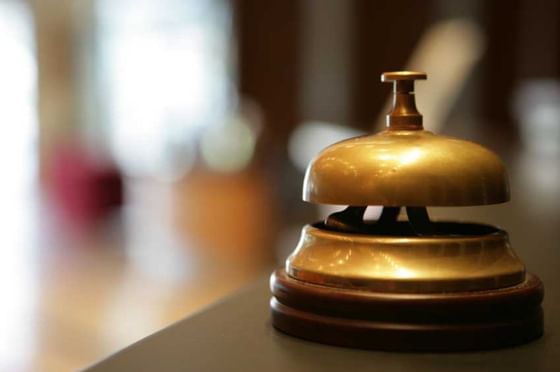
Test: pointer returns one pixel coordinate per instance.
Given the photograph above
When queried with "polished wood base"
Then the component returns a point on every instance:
(405, 321)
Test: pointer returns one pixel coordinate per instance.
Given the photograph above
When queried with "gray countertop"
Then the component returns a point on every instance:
(236, 334)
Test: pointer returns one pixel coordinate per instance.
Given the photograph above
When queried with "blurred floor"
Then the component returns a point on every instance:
(74, 296)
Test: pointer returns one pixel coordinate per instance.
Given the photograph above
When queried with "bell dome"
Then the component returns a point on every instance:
(405, 165)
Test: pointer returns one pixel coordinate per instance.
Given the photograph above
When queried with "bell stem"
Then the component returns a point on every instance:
(404, 114)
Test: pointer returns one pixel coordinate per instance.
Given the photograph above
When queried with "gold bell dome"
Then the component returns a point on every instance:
(405, 164)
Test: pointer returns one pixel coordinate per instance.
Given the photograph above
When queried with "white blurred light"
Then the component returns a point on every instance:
(18, 165)
(537, 105)
(165, 74)
(372, 212)
(229, 148)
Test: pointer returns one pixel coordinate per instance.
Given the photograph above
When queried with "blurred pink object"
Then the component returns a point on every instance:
(84, 188)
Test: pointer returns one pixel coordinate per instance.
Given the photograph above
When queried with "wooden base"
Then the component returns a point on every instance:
(405, 321)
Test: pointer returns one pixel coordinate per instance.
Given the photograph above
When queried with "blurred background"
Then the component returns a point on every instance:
(152, 152)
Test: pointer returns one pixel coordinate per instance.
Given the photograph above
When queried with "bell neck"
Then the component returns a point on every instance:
(404, 114)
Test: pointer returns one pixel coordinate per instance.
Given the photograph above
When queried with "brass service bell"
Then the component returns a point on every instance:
(411, 284)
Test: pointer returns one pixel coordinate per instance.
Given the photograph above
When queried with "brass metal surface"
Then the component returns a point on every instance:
(402, 76)
(404, 114)
(405, 165)
(402, 167)
(406, 263)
